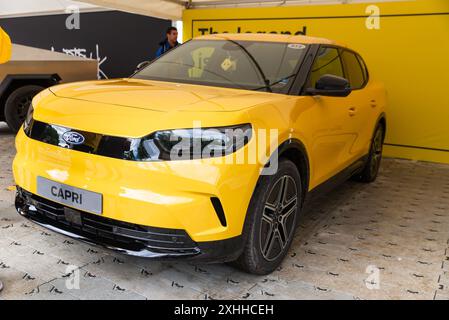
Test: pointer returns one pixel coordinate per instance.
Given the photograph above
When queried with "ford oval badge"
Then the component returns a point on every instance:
(73, 138)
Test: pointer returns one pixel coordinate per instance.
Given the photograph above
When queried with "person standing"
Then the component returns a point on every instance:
(170, 42)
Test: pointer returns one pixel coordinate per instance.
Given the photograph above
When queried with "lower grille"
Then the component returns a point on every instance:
(101, 230)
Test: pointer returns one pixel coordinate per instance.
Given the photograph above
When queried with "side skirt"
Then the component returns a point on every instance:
(334, 182)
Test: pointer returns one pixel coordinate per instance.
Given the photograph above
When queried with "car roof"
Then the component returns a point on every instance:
(269, 38)
(26, 53)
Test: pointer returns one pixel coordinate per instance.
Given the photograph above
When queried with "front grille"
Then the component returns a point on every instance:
(94, 143)
(110, 232)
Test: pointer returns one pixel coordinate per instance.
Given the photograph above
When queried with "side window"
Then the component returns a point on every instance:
(364, 68)
(327, 62)
(354, 70)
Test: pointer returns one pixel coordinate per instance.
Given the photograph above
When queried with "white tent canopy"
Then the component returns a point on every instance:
(166, 9)
(25, 8)
(172, 9)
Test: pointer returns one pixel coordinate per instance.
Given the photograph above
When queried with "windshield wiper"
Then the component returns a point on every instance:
(262, 74)
(269, 85)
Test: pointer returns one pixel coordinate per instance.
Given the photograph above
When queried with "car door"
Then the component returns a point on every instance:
(327, 121)
(361, 103)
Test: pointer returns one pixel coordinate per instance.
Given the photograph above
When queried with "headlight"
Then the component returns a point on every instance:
(28, 119)
(188, 144)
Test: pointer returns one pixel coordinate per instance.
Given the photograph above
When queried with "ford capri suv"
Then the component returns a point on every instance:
(209, 153)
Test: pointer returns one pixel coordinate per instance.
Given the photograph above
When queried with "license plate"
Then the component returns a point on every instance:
(83, 200)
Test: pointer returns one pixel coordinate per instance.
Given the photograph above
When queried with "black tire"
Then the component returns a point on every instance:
(17, 105)
(371, 170)
(259, 255)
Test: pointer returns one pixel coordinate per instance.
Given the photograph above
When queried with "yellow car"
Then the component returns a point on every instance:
(208, 153)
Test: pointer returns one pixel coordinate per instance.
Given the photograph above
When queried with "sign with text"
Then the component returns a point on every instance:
(405, 44)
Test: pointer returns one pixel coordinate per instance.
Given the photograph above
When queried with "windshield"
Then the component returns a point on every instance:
(265, 66)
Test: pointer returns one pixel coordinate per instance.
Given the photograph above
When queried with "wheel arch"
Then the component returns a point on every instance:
(295, 151)
(383, 121)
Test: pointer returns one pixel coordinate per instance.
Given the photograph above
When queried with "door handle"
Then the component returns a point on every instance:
(352, 111)
(373, 103)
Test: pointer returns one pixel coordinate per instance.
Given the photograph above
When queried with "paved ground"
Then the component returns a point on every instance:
(388, 240)
(6, 155)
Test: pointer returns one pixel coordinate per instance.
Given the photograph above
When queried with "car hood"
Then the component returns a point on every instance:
(163, 96)
(136, 108)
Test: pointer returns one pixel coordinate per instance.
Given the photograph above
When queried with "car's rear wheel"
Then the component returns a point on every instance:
(372, 166)
(272, 220)
(17, 105)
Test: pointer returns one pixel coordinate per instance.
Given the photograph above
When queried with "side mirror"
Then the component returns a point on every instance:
(332, 86)
(5, 47)
(142, 65)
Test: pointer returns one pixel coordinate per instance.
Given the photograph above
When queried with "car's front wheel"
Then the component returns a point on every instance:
(272, 220)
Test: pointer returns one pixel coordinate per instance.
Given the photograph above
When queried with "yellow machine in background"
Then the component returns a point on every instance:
(5, 47)
(406, 45)
(25, 71)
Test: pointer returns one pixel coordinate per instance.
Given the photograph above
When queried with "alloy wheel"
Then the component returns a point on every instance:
(279, 218)
(377, 149)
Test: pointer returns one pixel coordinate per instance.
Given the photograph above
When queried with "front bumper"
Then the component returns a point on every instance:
(126, 238)
(176, 195)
